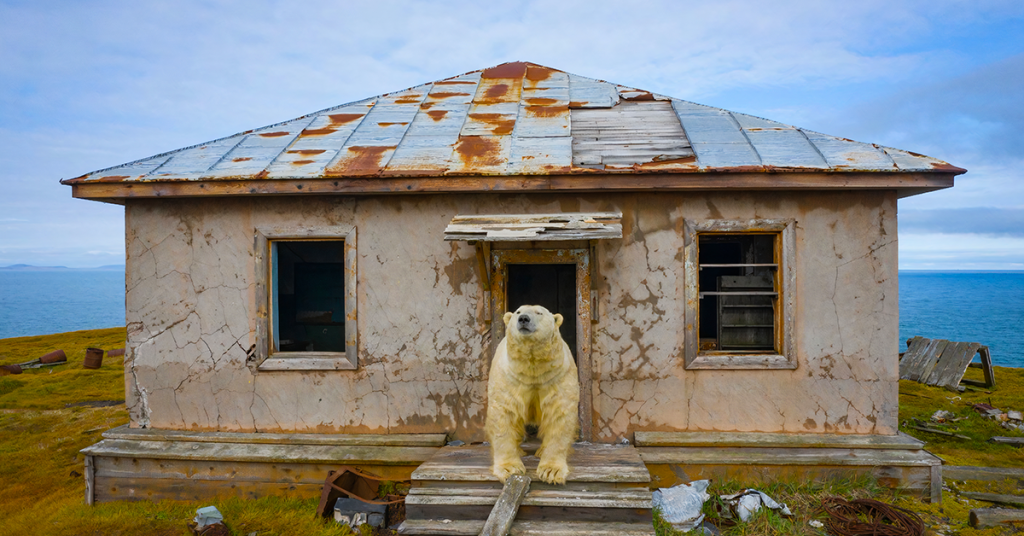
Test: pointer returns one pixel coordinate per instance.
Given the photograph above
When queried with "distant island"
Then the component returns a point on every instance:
(31, 268)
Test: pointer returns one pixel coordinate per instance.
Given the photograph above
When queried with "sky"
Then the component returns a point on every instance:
(86, 85)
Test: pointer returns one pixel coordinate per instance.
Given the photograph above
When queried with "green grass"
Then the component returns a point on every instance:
(43, 427)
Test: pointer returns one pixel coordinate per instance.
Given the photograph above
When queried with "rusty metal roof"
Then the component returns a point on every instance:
(515, 119)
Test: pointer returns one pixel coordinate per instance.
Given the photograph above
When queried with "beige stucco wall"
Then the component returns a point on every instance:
(423, 348)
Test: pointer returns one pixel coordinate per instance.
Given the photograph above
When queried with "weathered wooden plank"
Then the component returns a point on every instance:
(526, 528)
(912, 357)
(905, 184)
(986, 367)
(630, 133)
(981, 518)
(624, 498)
(951, 356)
(786, 456)
(994, 498)
(393, 440)
(300, 473)
(966, 472)
(587, 463)
(505, 508)
(932, 353)
(760, 439)
(157, 489)
(1016, 441)
(520, 227)
(266, 453)
(529, 513)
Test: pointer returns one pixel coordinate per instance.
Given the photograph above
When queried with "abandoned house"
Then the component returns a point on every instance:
(329, 290)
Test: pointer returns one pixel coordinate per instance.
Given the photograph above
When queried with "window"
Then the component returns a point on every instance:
(306, 294)
(739, 285)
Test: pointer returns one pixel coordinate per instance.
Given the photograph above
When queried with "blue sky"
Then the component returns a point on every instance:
(90, 84)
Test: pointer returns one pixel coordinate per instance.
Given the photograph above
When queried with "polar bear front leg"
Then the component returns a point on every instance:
(505, 428)
(558, 428)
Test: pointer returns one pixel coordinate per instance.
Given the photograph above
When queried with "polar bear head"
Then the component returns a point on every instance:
(532, 323)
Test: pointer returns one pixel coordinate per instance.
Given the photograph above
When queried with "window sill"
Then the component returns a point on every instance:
(307, 361)
(725, 361)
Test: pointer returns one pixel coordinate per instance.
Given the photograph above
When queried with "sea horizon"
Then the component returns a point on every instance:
(984, 306)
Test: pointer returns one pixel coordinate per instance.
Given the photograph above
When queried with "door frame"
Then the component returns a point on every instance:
(500, 259)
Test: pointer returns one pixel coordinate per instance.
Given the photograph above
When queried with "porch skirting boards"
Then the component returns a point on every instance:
(148, 464)
(896, 461)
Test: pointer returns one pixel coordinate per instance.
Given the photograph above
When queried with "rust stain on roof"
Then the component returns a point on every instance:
(437, 115)
(547, 111)
(578, 104)
(506, 70)
(110, 178)
(447, 94)
(496, 91)
(410, 99)
(270, 135)
(645, 96)
(361, 160)
(453, 82)
(242, 159)
(307, 151)
(501, 124)
(302, 162)
(479, 151)
(341, 119)
(392, 124)
(317, 132)
(540, 101)
(538, 73)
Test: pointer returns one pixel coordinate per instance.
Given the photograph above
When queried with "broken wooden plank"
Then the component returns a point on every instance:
(986, 368)
(981, 518)
(935, 431)
(966, 472)
(1015, 441)
(995, 498)
(531, 227)
(500, 520)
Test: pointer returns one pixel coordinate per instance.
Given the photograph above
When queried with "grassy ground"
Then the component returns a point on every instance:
(48, 415)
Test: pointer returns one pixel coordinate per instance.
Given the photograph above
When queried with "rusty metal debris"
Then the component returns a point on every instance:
(93, 358)
(10, 369)
(351, 497)
(868, 517)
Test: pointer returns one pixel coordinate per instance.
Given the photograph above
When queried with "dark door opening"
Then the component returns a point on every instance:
(552, 286)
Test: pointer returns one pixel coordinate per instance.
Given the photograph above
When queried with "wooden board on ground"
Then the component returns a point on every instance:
(528, 528)
(764, 439)
(1016, 500)
(981, 518)
(966, 472)
(943, 363)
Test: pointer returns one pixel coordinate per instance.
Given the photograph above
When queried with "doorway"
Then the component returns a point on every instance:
(559, 280)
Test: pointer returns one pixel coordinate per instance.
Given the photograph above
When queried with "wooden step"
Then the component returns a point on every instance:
(587, 463)
(622, 498)
(447, 527)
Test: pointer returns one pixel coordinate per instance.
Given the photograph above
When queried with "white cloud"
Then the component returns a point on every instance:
(935, 251)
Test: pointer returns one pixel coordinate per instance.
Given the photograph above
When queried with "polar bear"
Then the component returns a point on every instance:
(533, 380)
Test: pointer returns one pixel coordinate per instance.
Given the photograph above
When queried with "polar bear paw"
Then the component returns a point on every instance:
(553, 472)
(507, 469)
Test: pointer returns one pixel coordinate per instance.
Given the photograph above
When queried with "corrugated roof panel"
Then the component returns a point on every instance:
(715, 136)
(589, 93)
(497, 119)
(374, 141)
(128, 172)
(628, 134)
(540, 156)
(908, 161)
(785, 148)
(752, 122)
(503, 83)
(319, 142)
(193, 163)
(841, 153)
(458, 90)
(422, 155)
(256, 152)
(485, 155)
(544, 109)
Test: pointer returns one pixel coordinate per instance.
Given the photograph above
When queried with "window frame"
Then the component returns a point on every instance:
(262, 359)
(784, 357)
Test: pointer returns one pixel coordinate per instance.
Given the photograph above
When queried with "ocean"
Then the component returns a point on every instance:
(985, 307)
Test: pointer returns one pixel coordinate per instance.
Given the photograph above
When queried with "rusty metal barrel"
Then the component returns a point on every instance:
(10, 369)
(115, 352)
(93, 358)
(55, 356)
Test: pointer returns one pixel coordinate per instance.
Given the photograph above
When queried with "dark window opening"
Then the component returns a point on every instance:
(552, 286)
(309, 295)
(738, 292)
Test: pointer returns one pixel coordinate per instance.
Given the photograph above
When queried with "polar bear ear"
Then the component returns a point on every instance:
(508, 316)
(558, 320)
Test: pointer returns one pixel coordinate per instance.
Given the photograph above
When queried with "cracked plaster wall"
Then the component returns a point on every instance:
(423, 346)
